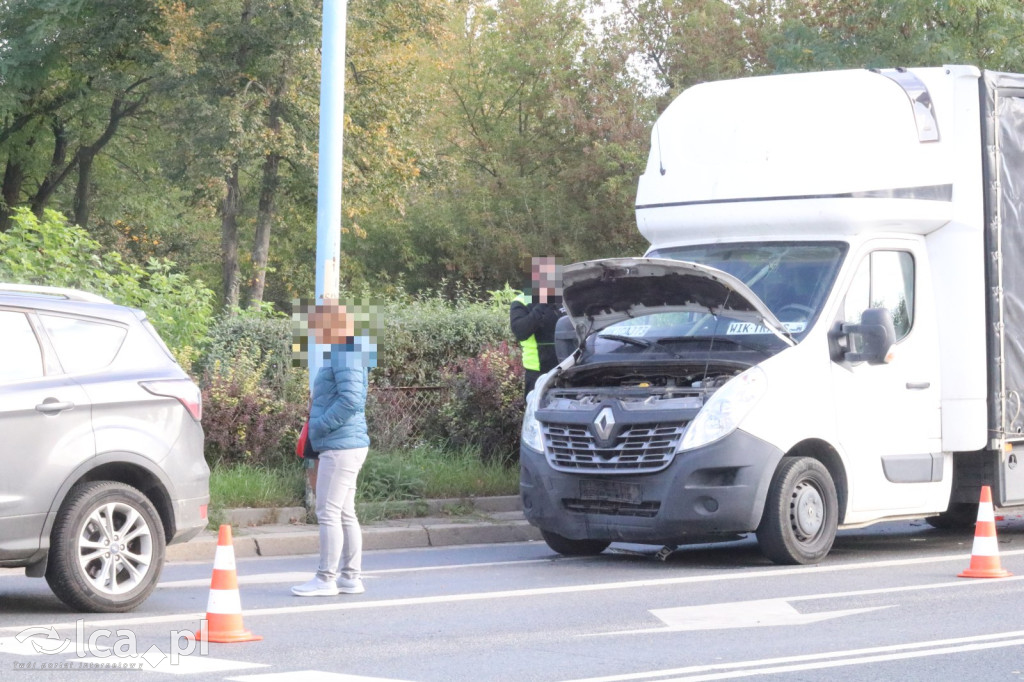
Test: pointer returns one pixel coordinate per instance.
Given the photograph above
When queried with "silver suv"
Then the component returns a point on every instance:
(101, 447)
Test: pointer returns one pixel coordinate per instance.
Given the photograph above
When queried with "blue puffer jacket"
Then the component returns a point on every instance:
(337, 420)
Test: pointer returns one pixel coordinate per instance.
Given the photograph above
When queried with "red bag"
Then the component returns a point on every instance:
(303, 447)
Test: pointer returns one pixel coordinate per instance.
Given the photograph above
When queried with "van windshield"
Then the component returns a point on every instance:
(792, 279)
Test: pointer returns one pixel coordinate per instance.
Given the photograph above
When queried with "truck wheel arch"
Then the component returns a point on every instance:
(830, 459)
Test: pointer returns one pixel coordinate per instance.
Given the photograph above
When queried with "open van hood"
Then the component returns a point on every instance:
(599, 293)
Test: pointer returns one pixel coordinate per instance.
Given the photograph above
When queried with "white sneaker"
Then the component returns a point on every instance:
(316, 588)
(350, 586)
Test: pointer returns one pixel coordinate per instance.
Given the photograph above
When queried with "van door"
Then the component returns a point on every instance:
(888, 415)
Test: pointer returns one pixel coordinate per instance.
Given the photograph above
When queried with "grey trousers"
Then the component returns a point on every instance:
(341, 538)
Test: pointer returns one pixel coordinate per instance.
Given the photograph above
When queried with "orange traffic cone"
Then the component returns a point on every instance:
(224, 608)
(985, 554)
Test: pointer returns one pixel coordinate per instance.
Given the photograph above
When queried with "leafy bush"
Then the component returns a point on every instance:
(420, 337)
(485, 404)
(260, 337)
(52, 252)
(244, 419)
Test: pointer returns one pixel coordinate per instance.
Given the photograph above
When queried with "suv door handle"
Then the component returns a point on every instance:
(50, 406)
(918, 386)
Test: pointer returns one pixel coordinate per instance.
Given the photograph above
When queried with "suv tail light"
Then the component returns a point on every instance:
(183, 390)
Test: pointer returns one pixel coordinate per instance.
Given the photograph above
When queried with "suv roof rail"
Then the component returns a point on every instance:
(57, 292)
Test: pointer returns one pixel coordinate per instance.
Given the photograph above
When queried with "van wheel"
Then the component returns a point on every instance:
(801, 513)
(573, 547)
(959, 516)
(106, 548)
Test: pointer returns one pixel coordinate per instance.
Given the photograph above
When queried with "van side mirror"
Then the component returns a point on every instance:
(872, 338)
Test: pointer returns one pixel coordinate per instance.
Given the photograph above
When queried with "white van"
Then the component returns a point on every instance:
(827, 330)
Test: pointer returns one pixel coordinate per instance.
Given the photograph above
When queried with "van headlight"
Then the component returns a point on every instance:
(725, 409)
(531, 435)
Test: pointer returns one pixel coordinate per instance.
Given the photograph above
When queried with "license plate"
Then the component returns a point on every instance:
(611, 491)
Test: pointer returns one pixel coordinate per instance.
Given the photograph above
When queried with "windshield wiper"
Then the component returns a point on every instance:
(643, 343)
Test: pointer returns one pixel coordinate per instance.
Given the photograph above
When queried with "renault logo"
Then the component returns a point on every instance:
(604, 423)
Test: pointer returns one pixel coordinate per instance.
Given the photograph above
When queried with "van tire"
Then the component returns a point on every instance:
(568, 547)
(801, 513)
(80, 572)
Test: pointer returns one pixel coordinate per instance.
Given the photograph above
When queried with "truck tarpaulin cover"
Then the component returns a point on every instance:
(1003, 134)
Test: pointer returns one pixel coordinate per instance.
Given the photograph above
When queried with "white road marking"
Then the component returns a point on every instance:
(769, 612)
(303, 576)
(784, 664)
(744, 614)
(11, 646)
(185, 665)
(310, 675)
(345, 605)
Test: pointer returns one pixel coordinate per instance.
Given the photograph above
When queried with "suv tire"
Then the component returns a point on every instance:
(106, 548)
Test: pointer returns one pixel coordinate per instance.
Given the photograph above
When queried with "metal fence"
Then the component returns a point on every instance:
(402, 416)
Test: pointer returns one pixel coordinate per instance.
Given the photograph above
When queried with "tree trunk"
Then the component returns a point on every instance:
(264, 221)
(14, 177)
(120, 109)
(57, 172)
(83, 189)
(268, 195)
(229, 209)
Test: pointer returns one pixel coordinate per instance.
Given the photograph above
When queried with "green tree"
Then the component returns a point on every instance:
(50, 251)
(539, 137)
(828, 34)
(76, 74)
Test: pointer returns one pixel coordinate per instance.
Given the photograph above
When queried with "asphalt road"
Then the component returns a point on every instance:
(886, 604)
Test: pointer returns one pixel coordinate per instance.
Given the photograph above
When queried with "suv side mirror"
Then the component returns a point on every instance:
(873, 337)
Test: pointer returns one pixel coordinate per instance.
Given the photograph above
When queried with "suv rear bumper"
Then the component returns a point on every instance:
(189, 518)
(719, 489)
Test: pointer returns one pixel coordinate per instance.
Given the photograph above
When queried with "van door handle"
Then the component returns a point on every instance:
(918, 385)
(51, 406)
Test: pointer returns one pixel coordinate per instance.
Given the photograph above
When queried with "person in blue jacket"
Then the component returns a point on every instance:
(337, 430)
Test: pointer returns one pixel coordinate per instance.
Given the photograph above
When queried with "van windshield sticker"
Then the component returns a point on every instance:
(630, 330)
(741, 328)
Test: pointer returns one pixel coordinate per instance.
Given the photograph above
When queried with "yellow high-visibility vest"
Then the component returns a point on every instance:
(531, 356)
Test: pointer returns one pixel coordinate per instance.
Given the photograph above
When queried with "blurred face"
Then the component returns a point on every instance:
(332, 324)
(547, 278)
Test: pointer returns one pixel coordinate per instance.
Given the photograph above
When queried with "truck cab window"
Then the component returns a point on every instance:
(884, 279)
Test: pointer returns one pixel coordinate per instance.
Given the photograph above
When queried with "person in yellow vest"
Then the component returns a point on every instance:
(533, 322)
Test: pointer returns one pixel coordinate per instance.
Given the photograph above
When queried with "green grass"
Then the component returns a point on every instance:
(388, 487)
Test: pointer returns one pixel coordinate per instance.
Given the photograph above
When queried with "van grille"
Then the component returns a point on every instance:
(640, 448)
(647, 510)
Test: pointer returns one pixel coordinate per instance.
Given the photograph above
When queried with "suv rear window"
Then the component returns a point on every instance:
(83, 345)
(20, 357)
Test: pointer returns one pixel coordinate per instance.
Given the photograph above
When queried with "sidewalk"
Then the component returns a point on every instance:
(282, 532)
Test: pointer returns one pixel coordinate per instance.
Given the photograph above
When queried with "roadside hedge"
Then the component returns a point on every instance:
(255, 399)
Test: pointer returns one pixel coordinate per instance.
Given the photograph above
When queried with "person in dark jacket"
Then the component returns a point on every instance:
(337, 430)
(533, 322)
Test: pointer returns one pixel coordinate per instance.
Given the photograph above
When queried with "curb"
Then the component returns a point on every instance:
(278, 532)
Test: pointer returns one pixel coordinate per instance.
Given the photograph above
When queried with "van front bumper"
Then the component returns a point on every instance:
(718, 489)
